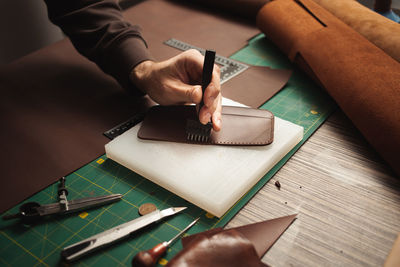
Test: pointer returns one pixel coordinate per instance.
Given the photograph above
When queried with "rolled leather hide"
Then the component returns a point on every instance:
(363, 79)
(381, 31)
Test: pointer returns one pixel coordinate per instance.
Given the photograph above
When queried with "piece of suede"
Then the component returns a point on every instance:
(362, 78)
(381, 31)
(262, 234)
(241, 246)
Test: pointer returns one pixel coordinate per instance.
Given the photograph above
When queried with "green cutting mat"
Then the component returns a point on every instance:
(300, 102)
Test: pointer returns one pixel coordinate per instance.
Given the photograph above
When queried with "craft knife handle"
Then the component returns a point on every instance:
(150, 257)
(79, 249)
(208, 67)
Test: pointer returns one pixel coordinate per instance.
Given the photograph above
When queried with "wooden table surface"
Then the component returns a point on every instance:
(346, 197)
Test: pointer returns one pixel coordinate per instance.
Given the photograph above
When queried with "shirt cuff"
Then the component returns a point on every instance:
(124, 56)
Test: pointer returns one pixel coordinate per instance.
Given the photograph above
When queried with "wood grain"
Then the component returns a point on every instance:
(346, 197)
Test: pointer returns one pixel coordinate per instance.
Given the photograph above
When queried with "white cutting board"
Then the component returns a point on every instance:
(212, 177)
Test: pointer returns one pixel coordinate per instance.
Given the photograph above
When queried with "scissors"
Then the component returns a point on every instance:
(32, 211)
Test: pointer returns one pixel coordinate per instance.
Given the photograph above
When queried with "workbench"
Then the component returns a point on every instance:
(347, 200)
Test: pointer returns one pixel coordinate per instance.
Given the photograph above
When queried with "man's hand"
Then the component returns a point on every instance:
(176, 81)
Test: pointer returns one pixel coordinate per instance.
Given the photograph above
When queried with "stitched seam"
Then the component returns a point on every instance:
(243, 143)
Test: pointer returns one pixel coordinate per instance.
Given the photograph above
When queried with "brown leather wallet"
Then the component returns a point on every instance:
(240, 126)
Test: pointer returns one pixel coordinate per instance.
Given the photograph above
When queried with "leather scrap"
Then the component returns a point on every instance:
(239, 246)
(256, 85)
(262, 234)
(162, 20)
(228, 248)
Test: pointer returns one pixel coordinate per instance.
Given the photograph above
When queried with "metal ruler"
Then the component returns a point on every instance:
(229, 69)
(125, 126)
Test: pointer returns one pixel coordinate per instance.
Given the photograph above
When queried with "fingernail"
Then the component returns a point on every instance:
(217, 124)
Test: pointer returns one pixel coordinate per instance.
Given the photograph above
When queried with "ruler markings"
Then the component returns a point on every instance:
(230, 68)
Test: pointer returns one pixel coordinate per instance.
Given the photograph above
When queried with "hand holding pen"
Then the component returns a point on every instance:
(178, 81)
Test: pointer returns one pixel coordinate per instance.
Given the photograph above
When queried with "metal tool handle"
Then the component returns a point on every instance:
(95, 242)
(92, 243)
(208, 68)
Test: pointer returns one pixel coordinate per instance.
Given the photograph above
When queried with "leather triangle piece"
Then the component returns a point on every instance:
(262, 234)
(228, 248)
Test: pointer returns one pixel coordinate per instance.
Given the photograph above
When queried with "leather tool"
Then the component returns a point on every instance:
(114, 234)
(195, 130)
(32, 211)
(150, 257)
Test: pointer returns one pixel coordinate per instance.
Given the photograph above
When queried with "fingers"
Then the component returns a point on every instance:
(213, 90)
(176, 81)
(217, 117)
(212, 101)
(206, 114)
(192, 64)
(183, 93)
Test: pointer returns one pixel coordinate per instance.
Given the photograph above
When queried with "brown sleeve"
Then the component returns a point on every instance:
(99, 32)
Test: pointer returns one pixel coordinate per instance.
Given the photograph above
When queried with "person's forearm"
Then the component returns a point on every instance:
(99, 32)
